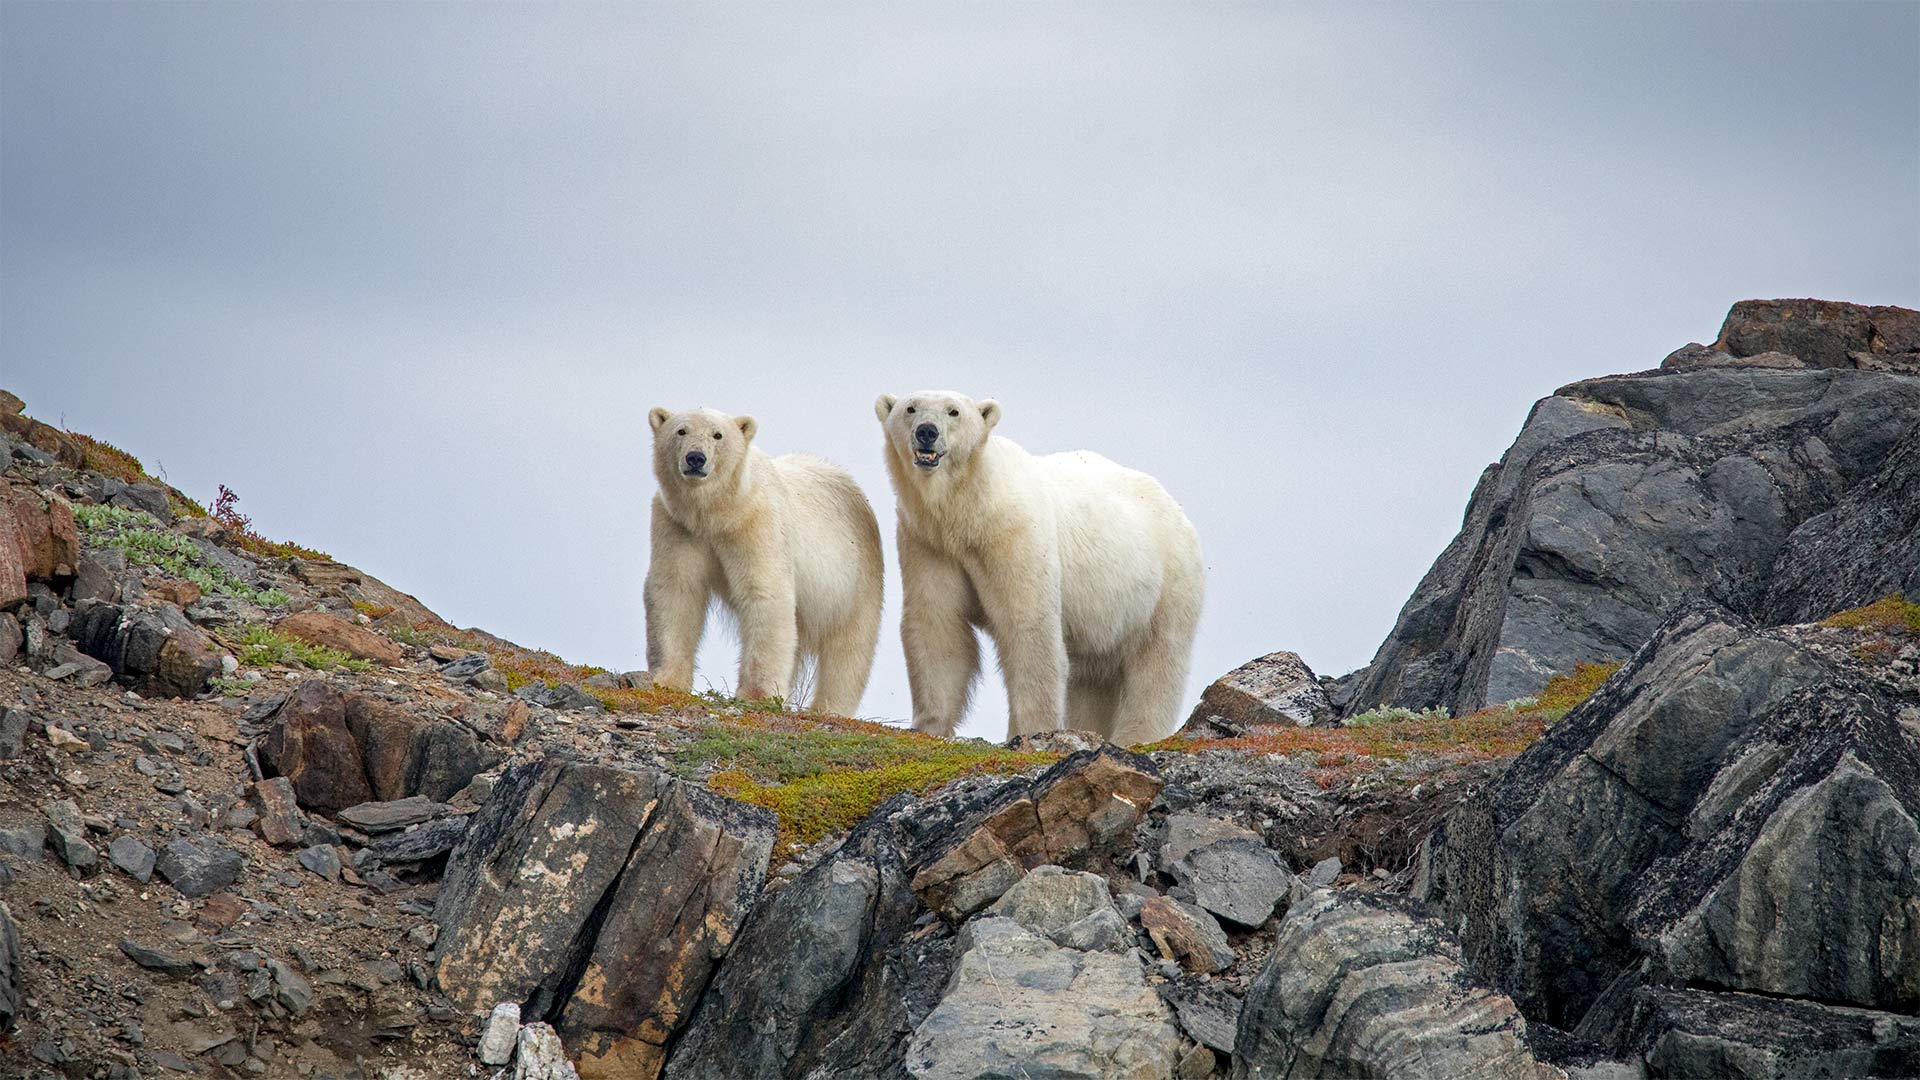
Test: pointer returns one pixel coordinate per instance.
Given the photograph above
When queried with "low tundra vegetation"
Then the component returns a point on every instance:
(262, 646)
(1892, 613)
(109, 460)
(1368, 741)
(822, 775)
(146, 543)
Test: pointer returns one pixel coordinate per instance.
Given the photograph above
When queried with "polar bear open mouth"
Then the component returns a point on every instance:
(927, 459)
(693, 475)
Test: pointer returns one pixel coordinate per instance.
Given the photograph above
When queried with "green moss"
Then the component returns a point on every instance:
(821, 778)
(1892, 613)
(147, 544)
(1563, 692)
(262, 646)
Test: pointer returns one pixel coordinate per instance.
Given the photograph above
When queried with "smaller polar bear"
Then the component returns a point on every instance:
(1087, 576)
(788, 544)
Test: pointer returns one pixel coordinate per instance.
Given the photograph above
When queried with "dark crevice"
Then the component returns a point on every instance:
(580, 954)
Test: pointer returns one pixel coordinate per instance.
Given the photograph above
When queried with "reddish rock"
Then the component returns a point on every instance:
(46, 540)
(514, 723)
(280, 822)
(310, 744)
(341, 749)
(1824, 333)
(174, 591)
(1186, 934)
(13, 564)
(43, 437)
(333, 632)
(1087, 801)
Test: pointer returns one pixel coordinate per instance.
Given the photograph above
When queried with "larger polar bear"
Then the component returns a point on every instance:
(788, 544)
(1086, 575)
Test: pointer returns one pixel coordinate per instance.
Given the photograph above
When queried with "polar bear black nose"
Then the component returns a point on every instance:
(926, 433)
(696, 460)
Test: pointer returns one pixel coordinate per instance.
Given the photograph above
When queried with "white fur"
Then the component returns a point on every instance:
(788, 544)
(1086, 575)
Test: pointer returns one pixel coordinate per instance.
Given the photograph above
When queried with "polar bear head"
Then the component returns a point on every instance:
(695, 448)
(935, 430)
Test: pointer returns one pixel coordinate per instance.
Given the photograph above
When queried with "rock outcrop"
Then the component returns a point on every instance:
(1735, 811)
(829, 978)
(600, 900)
(155, 649)
(1624, 494)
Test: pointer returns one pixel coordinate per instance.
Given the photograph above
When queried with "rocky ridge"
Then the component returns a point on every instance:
(263, 815)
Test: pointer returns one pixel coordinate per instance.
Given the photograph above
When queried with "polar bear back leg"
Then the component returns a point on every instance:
(1091, 702)
(1153, 681)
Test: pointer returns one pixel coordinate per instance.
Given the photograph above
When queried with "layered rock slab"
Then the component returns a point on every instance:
(601, 900)
(1361, 986)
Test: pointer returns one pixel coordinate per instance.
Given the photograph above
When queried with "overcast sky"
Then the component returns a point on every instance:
(408, 277)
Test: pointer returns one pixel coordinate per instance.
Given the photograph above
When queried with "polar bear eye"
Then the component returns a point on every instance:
(953, 412)
(909, 408)
(716, 436)
(683, 431)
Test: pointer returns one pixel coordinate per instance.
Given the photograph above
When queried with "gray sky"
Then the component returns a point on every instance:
(408, 278)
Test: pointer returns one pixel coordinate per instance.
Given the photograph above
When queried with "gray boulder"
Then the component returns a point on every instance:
(1230, 870)
(1019, 1005)
(1071, 909)
(134, 858)
(1623, 494)
(1357, 985)
(153, 649)
(1276, 690)
(68, 831)
(200, 866)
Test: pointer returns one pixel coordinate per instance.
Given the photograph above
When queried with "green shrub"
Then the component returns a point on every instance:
(262, 646)
(147, 544)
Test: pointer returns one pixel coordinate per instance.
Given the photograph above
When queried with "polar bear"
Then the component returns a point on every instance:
(1086, 575)
(788, 544)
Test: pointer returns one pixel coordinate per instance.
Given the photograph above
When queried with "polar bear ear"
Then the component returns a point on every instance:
(883, 407)
(657, 416)
(747, 425)
(990, 412)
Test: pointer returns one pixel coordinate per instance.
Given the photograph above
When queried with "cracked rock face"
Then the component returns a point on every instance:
(600, 899)
(1731, 811)
(1624, 494)
(1089, 800)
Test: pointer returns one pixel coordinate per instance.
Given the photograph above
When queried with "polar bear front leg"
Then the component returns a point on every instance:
(760, 585)
(937, 633)
(1021, 597)
(679, 588)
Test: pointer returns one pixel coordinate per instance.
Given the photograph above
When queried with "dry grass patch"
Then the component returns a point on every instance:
(1891, 614)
